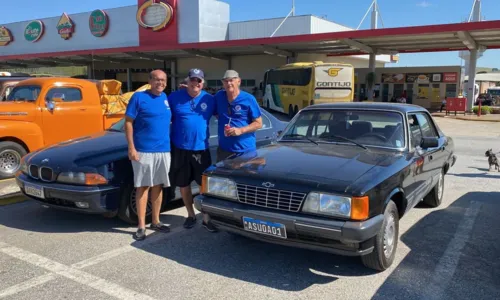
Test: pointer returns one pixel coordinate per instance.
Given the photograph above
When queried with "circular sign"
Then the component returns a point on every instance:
(34, 31)
(98, 23)
(154, 15)
(5, 36)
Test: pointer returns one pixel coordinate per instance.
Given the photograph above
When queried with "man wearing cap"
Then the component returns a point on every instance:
(239, 117)
(192, 109)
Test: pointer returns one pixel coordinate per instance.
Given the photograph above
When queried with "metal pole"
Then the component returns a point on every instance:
(372, 59)
(471, 84)
(293, 7)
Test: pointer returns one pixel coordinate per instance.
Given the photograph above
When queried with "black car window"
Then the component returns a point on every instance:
(68, 94)
(426, 125)
(415, 131)
(369, 128)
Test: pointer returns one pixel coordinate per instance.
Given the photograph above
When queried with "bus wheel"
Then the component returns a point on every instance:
(296, 110)
(290, 111)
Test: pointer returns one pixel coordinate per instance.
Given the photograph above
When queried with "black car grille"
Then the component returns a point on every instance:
(43, 173)
(270, 198)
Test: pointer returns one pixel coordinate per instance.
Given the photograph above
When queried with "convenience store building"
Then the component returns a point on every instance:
(125, 43)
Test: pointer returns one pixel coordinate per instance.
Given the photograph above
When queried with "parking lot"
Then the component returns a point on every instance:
(446, 253)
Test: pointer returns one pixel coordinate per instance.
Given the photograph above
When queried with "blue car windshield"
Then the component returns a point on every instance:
(364, 127)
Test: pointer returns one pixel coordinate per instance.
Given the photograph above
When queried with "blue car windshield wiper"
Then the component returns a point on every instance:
(300, 135)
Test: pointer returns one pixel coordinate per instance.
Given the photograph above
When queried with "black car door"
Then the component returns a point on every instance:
(435, 155)
(415, 185)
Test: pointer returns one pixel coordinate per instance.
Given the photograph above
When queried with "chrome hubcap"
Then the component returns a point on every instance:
(389, 236)
(10, 161)
(133, 203)
(440, 186)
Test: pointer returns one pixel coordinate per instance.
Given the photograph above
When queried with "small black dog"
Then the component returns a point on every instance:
(492, 160)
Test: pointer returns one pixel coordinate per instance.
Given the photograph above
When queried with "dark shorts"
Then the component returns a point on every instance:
(188, 165)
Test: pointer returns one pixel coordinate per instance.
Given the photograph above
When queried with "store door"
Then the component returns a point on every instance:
(385, 92)
(409, 93)
(398, 90)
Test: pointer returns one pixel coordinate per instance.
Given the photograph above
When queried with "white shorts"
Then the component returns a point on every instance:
(151, 169)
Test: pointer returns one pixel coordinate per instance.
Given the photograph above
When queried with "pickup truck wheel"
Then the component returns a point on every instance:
(435, 196)
(10, 158)
(128, 209)
(386, 241)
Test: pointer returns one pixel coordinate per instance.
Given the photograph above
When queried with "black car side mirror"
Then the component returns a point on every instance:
(429, 142)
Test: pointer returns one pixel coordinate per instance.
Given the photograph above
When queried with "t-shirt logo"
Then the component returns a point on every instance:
(166, 103)
(237, 108)
(203, 106)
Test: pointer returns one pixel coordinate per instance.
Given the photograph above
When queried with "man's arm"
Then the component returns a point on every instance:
(130, 114)
(254, 126)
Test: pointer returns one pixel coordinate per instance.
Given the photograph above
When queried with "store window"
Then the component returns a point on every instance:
(451, 90)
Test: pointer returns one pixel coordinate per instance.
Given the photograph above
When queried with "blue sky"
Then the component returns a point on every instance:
(394, 13)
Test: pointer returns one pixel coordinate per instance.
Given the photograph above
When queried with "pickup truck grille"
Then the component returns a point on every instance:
(270, 198)
(43, 173)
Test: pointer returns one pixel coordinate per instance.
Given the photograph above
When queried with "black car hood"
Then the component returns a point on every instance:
(88, 151)
(334, 165)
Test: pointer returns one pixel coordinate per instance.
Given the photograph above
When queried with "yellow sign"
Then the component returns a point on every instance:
(5, 36)
(154, 14)
(333, 71)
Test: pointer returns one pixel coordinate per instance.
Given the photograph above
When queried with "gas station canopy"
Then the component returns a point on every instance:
(431, 38)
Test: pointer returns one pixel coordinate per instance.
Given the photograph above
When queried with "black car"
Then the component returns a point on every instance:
(338, 179)
(93, 174)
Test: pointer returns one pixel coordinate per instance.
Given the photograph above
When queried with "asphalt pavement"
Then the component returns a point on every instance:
(450, 252)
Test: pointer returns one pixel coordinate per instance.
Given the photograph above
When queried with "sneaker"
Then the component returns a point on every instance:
(159, 227)
(140, 234)
(190, 222)
(209, 226)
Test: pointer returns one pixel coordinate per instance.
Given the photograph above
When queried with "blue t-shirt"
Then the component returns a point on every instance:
(151, 124)
(190, 119)
(243, 111)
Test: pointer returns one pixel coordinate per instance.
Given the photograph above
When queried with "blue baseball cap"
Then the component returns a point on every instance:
(196, 73)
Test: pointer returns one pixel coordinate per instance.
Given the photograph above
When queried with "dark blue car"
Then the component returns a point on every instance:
(93, 174)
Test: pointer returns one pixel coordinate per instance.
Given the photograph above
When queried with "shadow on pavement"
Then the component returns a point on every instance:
(439, 242)
(31, 216)
(232, 256)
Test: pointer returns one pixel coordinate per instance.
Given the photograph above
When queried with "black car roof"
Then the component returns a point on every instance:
(400, 107)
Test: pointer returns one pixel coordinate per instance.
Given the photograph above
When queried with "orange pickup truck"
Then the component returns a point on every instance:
(43, 111)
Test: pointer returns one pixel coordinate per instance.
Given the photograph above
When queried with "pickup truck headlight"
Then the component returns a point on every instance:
(218, 186)
(355, 208)
(81, 178)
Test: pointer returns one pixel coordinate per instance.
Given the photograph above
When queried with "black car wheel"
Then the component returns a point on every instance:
(386, 241)
(290, 111)
(435, 196)
(128, 209)
(10, 158)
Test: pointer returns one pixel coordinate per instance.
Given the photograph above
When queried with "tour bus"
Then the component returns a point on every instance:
(291, 87)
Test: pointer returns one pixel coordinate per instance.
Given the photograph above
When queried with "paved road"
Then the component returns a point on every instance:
(445, 253)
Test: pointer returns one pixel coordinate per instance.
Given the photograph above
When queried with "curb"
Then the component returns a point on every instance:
(11, 195)
(465, 119)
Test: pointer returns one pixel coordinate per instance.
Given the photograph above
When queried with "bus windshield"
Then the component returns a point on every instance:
(333, 82)
(494, 92)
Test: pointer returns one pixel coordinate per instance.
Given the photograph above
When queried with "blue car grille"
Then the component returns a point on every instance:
(270, 198)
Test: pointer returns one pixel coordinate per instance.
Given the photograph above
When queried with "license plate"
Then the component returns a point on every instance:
(34, 190)
(264, 227)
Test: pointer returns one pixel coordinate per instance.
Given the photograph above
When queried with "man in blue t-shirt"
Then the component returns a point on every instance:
(147, 128)
(192, 109)
(239, 117)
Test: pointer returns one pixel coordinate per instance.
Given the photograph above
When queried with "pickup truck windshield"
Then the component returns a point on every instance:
(361, 127)
(24, 93)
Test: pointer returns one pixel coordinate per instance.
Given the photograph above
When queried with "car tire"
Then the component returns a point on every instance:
(10, 158)
(290, 111)
(435, 196)
(296, 111)
(127, 210)
(387, 237)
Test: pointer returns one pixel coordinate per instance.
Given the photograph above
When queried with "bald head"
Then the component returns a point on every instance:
(158, 81)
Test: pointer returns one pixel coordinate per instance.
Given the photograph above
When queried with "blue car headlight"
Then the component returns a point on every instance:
(327, 204)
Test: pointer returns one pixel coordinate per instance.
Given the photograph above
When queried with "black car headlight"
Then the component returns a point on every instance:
(355, 208)
(81, 178)
(219, 186)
